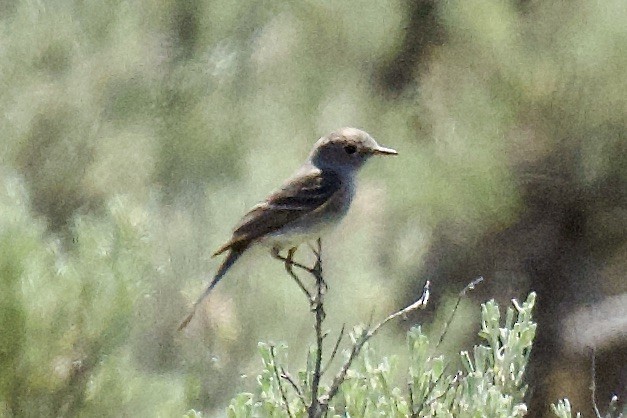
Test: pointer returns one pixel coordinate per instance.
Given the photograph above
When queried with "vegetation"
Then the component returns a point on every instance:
(134, 134)
(491, 383)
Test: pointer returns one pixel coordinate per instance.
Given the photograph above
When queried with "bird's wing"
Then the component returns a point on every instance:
(299, 196)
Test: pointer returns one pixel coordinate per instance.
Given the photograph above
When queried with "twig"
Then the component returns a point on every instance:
(318, 309)
(334, 352)
(319, 404)
(278, 381)
(420, 303)
(371, 318)
(285, 375)
(300, 284)
(470, 286)
(365, 335)
(593, 384)
(289, 265)
(315, 250)
(317, 306)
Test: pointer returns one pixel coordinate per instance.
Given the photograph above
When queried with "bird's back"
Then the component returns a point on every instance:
(306, 204)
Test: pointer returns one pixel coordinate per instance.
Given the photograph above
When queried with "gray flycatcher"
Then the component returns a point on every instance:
(310, 202)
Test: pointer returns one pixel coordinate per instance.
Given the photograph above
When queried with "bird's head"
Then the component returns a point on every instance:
(346, 149)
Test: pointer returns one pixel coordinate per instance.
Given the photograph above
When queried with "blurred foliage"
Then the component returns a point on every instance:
(67, 315)
(134, 134)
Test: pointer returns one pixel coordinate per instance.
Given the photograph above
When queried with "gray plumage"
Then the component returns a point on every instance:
(314, 199)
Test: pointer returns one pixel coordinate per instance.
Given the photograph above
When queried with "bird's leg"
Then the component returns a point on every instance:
(289, 267)
(290, 254)
(289, 259)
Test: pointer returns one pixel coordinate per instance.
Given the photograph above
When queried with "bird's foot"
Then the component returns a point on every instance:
(289, 260)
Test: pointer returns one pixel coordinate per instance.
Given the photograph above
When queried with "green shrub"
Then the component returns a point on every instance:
(67, 315)
(489, 384)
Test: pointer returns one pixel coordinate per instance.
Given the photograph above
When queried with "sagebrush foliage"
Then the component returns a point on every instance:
(490, 384)
(67, 315)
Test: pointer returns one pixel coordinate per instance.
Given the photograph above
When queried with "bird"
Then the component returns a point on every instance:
(309, 203)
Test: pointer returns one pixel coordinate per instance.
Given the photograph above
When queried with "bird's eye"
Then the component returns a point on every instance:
(350, 149)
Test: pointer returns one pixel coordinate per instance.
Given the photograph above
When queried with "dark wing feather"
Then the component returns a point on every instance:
(299, 196)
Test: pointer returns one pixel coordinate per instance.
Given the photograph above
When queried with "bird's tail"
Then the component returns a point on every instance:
(234, 254)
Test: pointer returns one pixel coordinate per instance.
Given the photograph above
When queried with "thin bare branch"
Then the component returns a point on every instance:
(319, 404)
(334, 352)
(278, 380)
(318, 309)
(315, 250)
(470, 286)
(365, 335)
(285, 375)
(289, 267)
(317, 306)
(419, 304)
(300, 284)
(371, 318)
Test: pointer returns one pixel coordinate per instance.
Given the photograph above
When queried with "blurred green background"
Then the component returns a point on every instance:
(135, 134)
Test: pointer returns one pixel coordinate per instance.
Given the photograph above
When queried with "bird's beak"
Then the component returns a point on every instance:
(379, 150)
